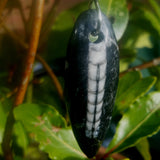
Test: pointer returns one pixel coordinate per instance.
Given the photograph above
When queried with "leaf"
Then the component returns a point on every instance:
(119, 12)
(49, 128)
(143, 40)
(127, 81)
(21, 135)
(155, 6)
(61, 31)
(143, 148)
(155, 71)
(140, 121)
(46, 92)
(131, 87)
(152, 18)
(4, 109)
(2, 122)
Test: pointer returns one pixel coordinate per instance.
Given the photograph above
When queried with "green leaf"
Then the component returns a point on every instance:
(155, 6)
(4, 109)
(2, 122)
(143, 40)
(117, 10)
(21, 135)
(143, 148)
(127, 81)
(152, 18)
(46, 92)
(135, 91)
(49, 129)
(135, 36)
(5, 106)
(140, 121)
(61, 31)
(131, 87)
(155, 71)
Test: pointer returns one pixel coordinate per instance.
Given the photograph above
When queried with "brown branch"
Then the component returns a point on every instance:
(8, 95)
(22, 15)
(44, 63)
(149, 64)
(102, 155)
(31, 52)
(30, 19)
(25, 78)
(52, 75)
(49, 22)
(14, 36)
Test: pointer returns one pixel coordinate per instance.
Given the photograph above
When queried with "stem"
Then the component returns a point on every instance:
(22, 14)
(52, 75)
(25, 78)
(31, 52)
(49, 22)
(8, 95)
(149, 64)
(29, 92)
(30, 19)
(14, 36)
(44, 63)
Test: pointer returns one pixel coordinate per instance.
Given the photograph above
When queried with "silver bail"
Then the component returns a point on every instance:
(99, 16)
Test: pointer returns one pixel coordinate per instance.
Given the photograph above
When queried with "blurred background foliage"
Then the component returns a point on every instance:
(137, 27)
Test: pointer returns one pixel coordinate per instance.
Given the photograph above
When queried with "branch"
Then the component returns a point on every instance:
(14, 36)
(25, 78)
(102, 155)
(31, 52)
(149, 64)
(49, 22)
(52, 75)
(30, 19)
(22, 14)
(8, 95)
(44, 63)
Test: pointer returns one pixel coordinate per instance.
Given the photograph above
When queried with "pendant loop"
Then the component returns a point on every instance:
(99, 16)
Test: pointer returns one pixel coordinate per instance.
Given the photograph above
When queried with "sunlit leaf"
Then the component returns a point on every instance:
(116, 10)
(131, 87)
(48, 128)
(143, 148)
(21, 135)
(140, 121)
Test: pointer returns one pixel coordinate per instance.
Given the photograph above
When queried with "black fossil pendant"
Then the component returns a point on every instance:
(91, 79)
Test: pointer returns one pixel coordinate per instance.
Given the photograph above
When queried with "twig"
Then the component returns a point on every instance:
(22, 14)
(30, 19)
(44, 63)
(52, 75)
(8, 95)
(14, 36)
(31, 52)
(149, 64)
(49, 22)
(25, 78)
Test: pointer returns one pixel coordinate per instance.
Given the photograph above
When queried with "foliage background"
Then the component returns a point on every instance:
(41, 129)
